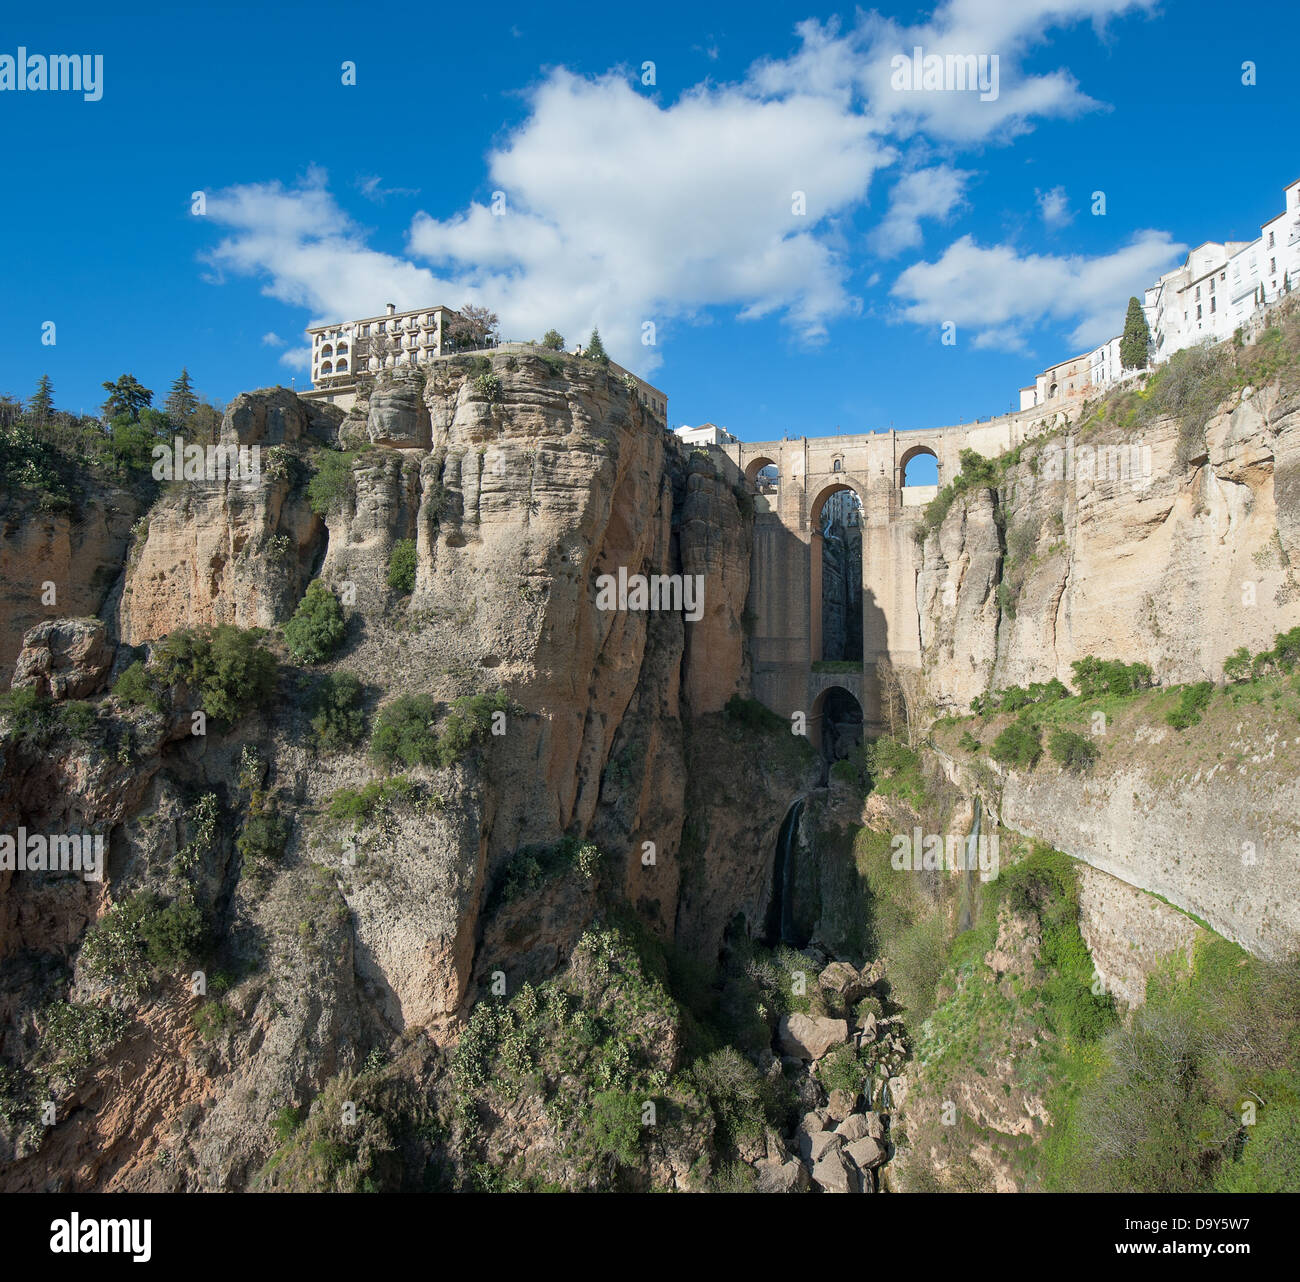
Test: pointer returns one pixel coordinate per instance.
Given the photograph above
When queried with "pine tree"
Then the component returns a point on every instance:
(596, 349)
(41, 406)
(1135, 346)
(126, 396)
(181, 401)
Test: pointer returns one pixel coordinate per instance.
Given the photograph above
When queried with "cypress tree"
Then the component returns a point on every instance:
(596, 349)
(1135, 346)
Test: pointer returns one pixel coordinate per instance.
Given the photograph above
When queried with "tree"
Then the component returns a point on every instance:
(553, 340)
(596, 349)
(41, 406)
(126, 396)
(181, 401)
(1135, 346)
(317, 627)
(472, 327)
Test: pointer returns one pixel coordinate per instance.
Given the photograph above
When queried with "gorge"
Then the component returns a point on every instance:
(402, 813)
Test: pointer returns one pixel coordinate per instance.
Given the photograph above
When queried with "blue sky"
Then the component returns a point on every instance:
(627, 203)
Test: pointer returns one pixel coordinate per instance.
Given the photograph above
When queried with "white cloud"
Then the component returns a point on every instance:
(923, 193)
(272, 339)
(370, 187)
(1054, 206)
(297, 358)
(999, 293)
(857, 64)
(622, 210)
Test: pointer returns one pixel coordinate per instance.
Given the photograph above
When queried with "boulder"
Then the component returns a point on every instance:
(833, 1174)
(839, 977)
(64, 658)
(810, 1036)
(812, 1148)
(866, 1153)
(853, 1128)
(777, 1151)
(875, 1125)
(867, 1026)
(814, 1121)
(841, 1104)
(782, 1177)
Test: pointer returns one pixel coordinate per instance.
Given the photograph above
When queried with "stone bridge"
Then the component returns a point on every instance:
(785, 602)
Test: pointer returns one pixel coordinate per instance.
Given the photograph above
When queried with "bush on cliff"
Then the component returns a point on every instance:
(338, 720)
(401, 566)
(1019, 744)
(1095, 677)
(140, 939)
(1192, 701)
(405, 731)
(1072, 751)
(316, 630)
(227, 667)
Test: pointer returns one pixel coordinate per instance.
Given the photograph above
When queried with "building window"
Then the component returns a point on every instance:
(1198, 311)
(1272, 266)
(1212, 307)
(1270, 240)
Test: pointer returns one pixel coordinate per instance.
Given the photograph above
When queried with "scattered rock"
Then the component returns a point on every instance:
(839, 977)
(875, 1125)
(841, 1104)
(834, 1174)
(853, 1128)
(812, 1148)
(811, 1036)
(866, 1153)
(783, 1177)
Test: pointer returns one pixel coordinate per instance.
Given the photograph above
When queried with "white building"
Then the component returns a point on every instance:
(340, 352)
(1206, 299)
(705, 434)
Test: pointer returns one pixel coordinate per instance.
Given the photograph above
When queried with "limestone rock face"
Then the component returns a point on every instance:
(398, 416)
(234, 550)
(64, 658)
(1133, 559)
(78, 555)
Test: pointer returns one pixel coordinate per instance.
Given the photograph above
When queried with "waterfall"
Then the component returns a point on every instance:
(780, 913)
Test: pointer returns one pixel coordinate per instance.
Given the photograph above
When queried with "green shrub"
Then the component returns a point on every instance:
(265, 831)
(357, 806)
(225, 666)
(468, 722)
(488, 386)
(1073, 751)
(1192, 701)
(1019, 744)
(338, 720)
(1236, 667)
(616, 1126)
(27, 710)
(141, 936)
(331, 484)
(76, 1034)
(401, 566)
(1095, 677)
(968, 742)
(316, 630)
(134, 687)
(405, 732)
(753, 715)
(895, 771)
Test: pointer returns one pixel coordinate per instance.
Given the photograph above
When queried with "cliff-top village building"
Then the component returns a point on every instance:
(346, 351)
(1214, 292)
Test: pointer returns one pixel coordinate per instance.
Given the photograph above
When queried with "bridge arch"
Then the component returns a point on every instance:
(910, 455)
(837, 722)
(842, 482)
(757, 464)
